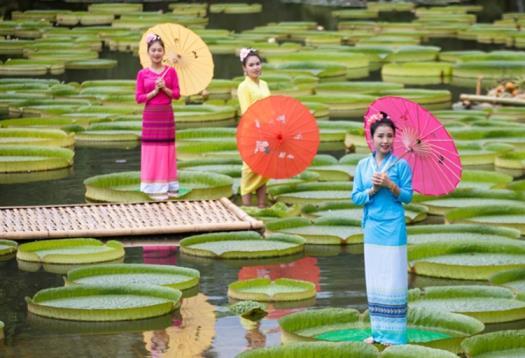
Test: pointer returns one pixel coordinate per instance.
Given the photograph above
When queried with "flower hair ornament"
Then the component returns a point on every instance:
(245, 52)
(376, 117)
(151, 37)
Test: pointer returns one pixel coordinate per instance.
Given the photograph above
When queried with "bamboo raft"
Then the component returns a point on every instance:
(132, 219)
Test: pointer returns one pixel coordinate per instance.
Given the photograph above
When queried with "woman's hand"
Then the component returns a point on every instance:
(160, 84)
(153, 93)
(382, 180)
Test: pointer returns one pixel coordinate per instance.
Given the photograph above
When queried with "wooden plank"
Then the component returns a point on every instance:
(131, 219)
(492, 99)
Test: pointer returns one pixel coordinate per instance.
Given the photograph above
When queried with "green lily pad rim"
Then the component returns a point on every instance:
(26, 251)
(494, 341)
(238, 289)
(105, 269)
(37, 305)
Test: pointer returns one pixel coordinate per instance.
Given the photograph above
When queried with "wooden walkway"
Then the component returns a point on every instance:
(136, 219)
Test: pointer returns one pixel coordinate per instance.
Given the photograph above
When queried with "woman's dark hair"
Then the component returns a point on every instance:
(384, 121)
(154, 39)
(251, 53)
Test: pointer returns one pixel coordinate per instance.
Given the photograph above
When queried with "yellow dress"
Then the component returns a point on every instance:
(248, 93)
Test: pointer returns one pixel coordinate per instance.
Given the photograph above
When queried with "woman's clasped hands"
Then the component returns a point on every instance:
(160, 84)
(380, 180)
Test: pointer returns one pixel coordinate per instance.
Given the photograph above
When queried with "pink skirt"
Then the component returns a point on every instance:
(158, 161)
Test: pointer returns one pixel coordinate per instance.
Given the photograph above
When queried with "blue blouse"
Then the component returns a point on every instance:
(383, 205)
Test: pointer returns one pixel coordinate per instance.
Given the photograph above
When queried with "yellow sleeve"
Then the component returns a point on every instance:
(243, 94)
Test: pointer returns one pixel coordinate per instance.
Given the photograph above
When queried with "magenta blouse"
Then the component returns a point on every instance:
(146, 83)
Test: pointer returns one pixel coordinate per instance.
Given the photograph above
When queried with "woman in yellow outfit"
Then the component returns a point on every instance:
(249, 91)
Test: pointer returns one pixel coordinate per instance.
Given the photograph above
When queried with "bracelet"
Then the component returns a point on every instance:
(371, 191)
(392, 187)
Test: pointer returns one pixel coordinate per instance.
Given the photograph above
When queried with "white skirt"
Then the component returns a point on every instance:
(387, 290)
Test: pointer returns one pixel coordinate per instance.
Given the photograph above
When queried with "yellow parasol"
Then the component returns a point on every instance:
(186, 52)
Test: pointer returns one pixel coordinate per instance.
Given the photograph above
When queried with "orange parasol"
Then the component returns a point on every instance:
(186, 52)
(278, 137)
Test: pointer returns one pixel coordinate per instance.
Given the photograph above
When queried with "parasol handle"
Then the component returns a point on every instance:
(164, 74)
(397, 160)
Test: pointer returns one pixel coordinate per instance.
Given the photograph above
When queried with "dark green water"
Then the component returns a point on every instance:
(337, 272)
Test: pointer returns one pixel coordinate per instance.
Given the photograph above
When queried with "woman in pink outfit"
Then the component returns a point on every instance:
(157, 86)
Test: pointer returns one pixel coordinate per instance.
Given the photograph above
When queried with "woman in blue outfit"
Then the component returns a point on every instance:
(382, 183)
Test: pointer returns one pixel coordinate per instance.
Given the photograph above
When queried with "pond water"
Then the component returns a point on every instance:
(204, 326)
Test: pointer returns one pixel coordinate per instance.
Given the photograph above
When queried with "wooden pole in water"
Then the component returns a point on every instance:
(492, 99)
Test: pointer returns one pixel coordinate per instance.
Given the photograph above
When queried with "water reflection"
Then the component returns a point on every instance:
(49, 326)
(190, 333)
(160, 254)
(19, 178)
(55, 268)
(305, 269)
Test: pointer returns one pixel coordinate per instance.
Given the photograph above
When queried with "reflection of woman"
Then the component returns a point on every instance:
(191, 332)
(249, 91)
(159, 343)
(157, 86)
(382, 183)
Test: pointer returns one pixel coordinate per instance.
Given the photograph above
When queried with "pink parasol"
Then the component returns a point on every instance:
(422, 141)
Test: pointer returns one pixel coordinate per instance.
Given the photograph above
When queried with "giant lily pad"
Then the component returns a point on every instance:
(505, 216)
(275, 212)
(133, 274)
(318, 349)
(413, 351)
(308, 193)
(323, 231)
(511, 160)
(437, 234)
(466, 259)
(70, 251)
(41, 137)
(124, 186)
(359, 87)
(235, 8)
(413, 212)
(7, 249)
(510, 343)
(462, 198)
(417, 72)
(242, 244)
(33, 158)
(425, 327)
(61, 269)
(489, 69)
(414, 54)
(483, 179)
(334, 172)
(342, 104)
(486, 303)
(266, 290)
(514, 279)
(104, 303)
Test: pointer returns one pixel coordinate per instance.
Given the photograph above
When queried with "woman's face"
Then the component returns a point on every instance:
(383, 139)
(253, 67)
(156, 52)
